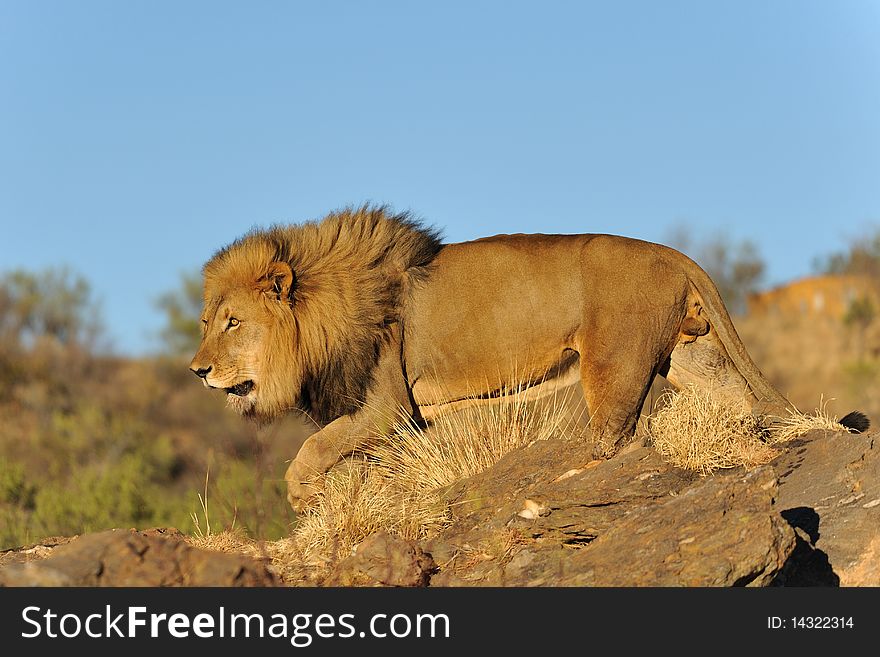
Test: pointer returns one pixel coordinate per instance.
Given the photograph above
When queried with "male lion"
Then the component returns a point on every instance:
(365, 315)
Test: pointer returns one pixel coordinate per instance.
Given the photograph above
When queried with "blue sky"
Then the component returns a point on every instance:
(136, 138)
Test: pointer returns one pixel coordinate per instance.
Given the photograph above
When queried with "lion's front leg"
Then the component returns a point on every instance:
(321, 451)
(318, 454)
(387, 402)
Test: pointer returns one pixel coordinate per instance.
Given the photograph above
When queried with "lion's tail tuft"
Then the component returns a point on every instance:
(856, 421)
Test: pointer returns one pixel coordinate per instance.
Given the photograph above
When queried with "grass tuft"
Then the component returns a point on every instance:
(697, 429)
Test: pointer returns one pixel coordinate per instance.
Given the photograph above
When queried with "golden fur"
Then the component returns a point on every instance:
(348, 280)
(365, 315)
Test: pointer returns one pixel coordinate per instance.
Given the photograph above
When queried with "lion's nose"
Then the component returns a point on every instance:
(202, 372)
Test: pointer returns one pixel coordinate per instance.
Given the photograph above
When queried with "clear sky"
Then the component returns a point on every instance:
(138, 137)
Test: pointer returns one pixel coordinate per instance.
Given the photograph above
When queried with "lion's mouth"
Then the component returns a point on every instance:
(241, 389)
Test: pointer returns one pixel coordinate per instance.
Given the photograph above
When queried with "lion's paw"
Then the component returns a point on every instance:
(300, 490)
(301, 495)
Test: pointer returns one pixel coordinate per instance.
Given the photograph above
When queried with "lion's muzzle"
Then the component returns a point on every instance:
(242, 389)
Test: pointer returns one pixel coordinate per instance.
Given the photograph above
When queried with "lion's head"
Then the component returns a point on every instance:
(294, 315)
(247, 328)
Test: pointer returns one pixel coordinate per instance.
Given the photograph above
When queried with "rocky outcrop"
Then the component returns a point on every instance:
(724, 532)
(548, 515)
(630, 521)
(130, 558)
(829, 491)
(811, 517)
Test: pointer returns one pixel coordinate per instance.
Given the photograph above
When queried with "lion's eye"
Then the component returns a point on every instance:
(232, 323)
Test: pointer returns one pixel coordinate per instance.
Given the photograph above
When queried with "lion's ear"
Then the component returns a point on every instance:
(278, 281)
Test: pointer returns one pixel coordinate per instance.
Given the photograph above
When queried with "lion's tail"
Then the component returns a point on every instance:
(720, 320)
(856, 421)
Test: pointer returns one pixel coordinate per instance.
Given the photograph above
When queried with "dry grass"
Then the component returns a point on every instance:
(464, 443)
(700, 430)
(194, 516)
(355, 501)
(283, 556)
(228, 540)
(397, 484)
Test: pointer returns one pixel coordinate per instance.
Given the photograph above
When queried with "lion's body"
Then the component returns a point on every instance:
(368, 316)
(515, 310)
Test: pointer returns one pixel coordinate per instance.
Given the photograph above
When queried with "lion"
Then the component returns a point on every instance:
(365, 318)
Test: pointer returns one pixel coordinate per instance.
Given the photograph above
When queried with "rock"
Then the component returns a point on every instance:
(131, 558)
(725, 532)
(384, 560)
(34, 551)
(829, 489)
(582, 503)
(546, 515)
(551, 496)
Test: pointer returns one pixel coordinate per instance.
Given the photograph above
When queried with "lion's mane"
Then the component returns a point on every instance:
(351, 272)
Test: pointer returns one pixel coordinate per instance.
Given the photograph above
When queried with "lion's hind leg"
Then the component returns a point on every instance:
(615, 387)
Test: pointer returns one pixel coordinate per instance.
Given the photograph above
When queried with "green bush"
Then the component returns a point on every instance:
(15, 489)
(104, 496)
(239, 496)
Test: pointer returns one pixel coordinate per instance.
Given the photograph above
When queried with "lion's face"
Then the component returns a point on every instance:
(239, 326)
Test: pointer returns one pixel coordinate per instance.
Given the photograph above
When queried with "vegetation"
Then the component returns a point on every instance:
(861, 257)
(91, 441)
(698, 430)
(182, 307)
(54, 304)
(861, 367)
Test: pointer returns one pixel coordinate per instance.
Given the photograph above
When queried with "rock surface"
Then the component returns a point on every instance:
(384, 560)
(630, 521)
(830, 492)
(724, 532)
(131, 558)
